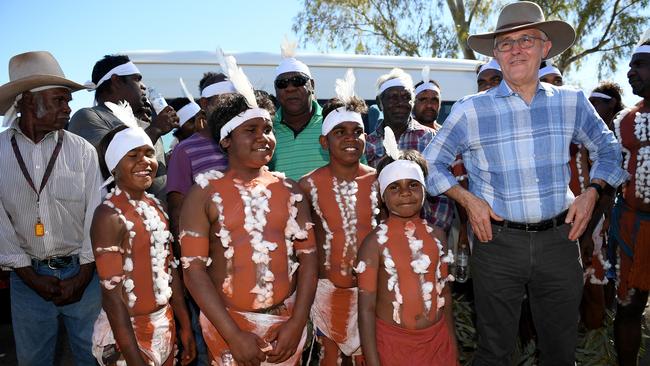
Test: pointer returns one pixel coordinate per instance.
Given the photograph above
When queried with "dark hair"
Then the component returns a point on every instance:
(356, 105)
(178, 103)
(103, 66)
(412, 155)
(613, 90)
(103, 146)
(228, 106)
(210, 78)
(429, 81)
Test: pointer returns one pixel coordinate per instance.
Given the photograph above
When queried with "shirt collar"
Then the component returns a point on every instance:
(15, 127)
(504, 90)
(316, 108)
(412, 125)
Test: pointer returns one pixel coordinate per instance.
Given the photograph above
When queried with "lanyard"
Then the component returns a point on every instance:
(39, 228)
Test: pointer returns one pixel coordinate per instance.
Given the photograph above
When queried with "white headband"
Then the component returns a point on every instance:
(241, 118)
(291, 64)
(338, 116)
(123, 142)
(397, 170)
(187, 112)
(427, 86)
(393, 82)
(492, 65)
(599, 95)
(642, 49)
(222, 87)
(128, 68)
(550, 69)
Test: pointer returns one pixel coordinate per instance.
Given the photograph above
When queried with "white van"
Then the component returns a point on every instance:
(161, 70)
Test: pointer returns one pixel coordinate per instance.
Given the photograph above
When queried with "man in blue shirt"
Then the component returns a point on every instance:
(514, 140)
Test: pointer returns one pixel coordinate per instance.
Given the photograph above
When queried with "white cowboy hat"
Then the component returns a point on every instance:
(32, 70)
(524, 15)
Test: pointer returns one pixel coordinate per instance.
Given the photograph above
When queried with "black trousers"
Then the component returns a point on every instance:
(549, 264)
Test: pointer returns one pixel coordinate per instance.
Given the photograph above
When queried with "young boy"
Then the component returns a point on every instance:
(254, 226)
(344, 199)
(405, 312)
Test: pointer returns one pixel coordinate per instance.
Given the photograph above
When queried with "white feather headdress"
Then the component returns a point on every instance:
(345, 87)
(237, 77)
(123, 112)
(186, 92)
(390, 144)
(288, 48)
(426, 74)
(289, 62)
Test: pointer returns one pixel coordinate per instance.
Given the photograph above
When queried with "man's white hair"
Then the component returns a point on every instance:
(396, 73)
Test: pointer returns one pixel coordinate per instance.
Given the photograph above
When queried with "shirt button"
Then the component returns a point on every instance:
(537, 180)
(38, 167)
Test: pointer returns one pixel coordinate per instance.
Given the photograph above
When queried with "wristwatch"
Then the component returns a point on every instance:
(597, 187)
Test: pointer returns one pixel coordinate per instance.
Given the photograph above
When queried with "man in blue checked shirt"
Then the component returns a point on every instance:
(515, 140)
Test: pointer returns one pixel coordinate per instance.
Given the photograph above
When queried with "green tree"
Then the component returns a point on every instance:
(604, 28)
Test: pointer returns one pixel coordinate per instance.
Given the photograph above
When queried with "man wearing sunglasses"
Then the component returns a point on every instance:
(298, 121)
(514, 139)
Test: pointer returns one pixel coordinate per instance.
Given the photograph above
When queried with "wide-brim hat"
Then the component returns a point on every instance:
(524, 15)
(32, 70)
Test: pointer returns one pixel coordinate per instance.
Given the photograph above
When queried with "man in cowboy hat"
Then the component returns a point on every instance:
(49, 188)
(514, 140)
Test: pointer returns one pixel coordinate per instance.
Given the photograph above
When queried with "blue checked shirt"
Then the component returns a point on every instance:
(517, 155)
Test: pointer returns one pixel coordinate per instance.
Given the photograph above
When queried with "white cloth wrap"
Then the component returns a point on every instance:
(427, 86)
(391, 83)
(222, 87)
(322, 315)
(492, 65)
(241, 118)
(123, 142)
(291, 64)
(128, 68)
(397, 170)
(599, 95)
(187, 112)
(338, 116)
(550, 69)
(161, 342)
(12, 113)
(642, 49)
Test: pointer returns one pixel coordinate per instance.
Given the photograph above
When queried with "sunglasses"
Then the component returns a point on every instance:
(295, 81)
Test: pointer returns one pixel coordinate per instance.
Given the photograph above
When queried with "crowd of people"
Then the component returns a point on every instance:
(279, 231)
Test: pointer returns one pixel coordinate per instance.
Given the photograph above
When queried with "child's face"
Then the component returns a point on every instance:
(404, 198)
(251, 144)
(345, 143)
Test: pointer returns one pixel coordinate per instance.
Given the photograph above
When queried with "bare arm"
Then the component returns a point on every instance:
(288, 335)
(369, 256)
(108, 231)
(184, 327)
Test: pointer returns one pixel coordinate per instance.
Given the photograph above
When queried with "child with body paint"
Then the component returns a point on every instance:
(141, 289)
(248, 252)
(405, 309)
(344, 196)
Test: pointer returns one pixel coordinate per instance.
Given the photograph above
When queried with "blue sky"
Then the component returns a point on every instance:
(78, 33)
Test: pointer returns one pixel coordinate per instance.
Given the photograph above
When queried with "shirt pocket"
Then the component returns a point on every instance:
(68, 187)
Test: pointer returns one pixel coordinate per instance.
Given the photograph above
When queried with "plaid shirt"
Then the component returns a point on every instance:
(517, 155)
(438, 209)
